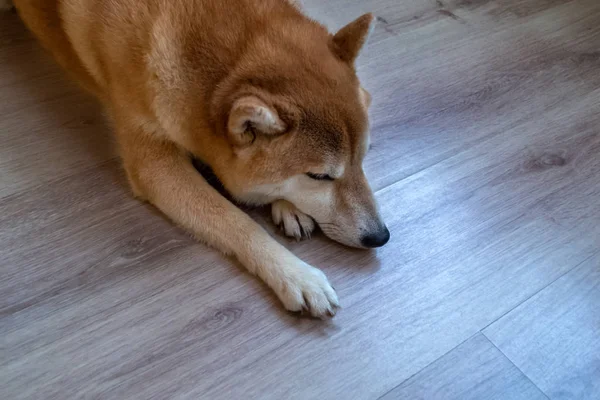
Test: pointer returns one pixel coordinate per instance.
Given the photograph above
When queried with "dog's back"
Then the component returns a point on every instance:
(82, 34)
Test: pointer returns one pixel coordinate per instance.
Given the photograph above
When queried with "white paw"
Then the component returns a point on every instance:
(291, 220)
(306, 289)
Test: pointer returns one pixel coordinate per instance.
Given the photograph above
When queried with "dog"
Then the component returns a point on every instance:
(262, 94)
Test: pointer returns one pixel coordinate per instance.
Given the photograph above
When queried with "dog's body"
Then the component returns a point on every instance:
(253, 88)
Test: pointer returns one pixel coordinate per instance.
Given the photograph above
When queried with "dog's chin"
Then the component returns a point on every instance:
(333, 235)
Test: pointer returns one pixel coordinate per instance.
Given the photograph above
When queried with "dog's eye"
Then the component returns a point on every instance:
(319, 177)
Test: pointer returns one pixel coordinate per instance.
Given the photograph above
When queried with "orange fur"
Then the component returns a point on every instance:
(254, 89)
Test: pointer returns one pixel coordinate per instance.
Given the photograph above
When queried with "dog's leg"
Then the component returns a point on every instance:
(291, 220)
(162, 174)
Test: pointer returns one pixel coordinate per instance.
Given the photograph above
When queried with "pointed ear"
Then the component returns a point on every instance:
(346, 44)
(250, 117)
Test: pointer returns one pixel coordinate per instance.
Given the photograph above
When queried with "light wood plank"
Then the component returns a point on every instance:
(554, 337)
(490, 120)
(472, 371)
(450, 273)
(440, 85)
(490, 237)
(49, 128)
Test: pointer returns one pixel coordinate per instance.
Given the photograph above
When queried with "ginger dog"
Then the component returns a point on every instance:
(265, 96)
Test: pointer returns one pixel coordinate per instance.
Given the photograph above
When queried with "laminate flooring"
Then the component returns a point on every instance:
(486, 162)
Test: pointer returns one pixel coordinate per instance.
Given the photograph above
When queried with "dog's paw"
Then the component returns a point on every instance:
(307, 290)
(291, 220)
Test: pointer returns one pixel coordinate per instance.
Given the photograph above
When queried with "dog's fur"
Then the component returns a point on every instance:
(253, 88)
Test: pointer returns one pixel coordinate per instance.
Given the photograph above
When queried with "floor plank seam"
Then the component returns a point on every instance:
(429, 364)
(484, 136)
(6, 311)
(464, 149)
(515, 365)
(41, 185)
(488, 339)
(540, 290)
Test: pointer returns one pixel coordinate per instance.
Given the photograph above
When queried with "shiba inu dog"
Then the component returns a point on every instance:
(265, 96)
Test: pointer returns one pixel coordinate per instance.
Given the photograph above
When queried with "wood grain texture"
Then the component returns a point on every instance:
(472, 371)
(436, 285)
(554, 337)
(48, 128)
(485, 145)
(442, 85)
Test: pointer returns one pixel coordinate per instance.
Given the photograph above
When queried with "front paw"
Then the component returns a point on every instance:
(291, 220)
(306, 289)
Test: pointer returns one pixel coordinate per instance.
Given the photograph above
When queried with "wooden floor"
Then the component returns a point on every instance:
(486, 161)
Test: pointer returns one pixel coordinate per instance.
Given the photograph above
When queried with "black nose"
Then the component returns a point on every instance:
(376, 239)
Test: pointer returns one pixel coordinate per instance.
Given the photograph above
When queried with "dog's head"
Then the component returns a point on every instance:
(295, 116)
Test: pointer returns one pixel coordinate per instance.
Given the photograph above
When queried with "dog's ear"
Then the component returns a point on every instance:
(250, 117)
(346, 44)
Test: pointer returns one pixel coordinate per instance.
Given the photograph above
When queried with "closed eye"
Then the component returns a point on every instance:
(319, 177)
